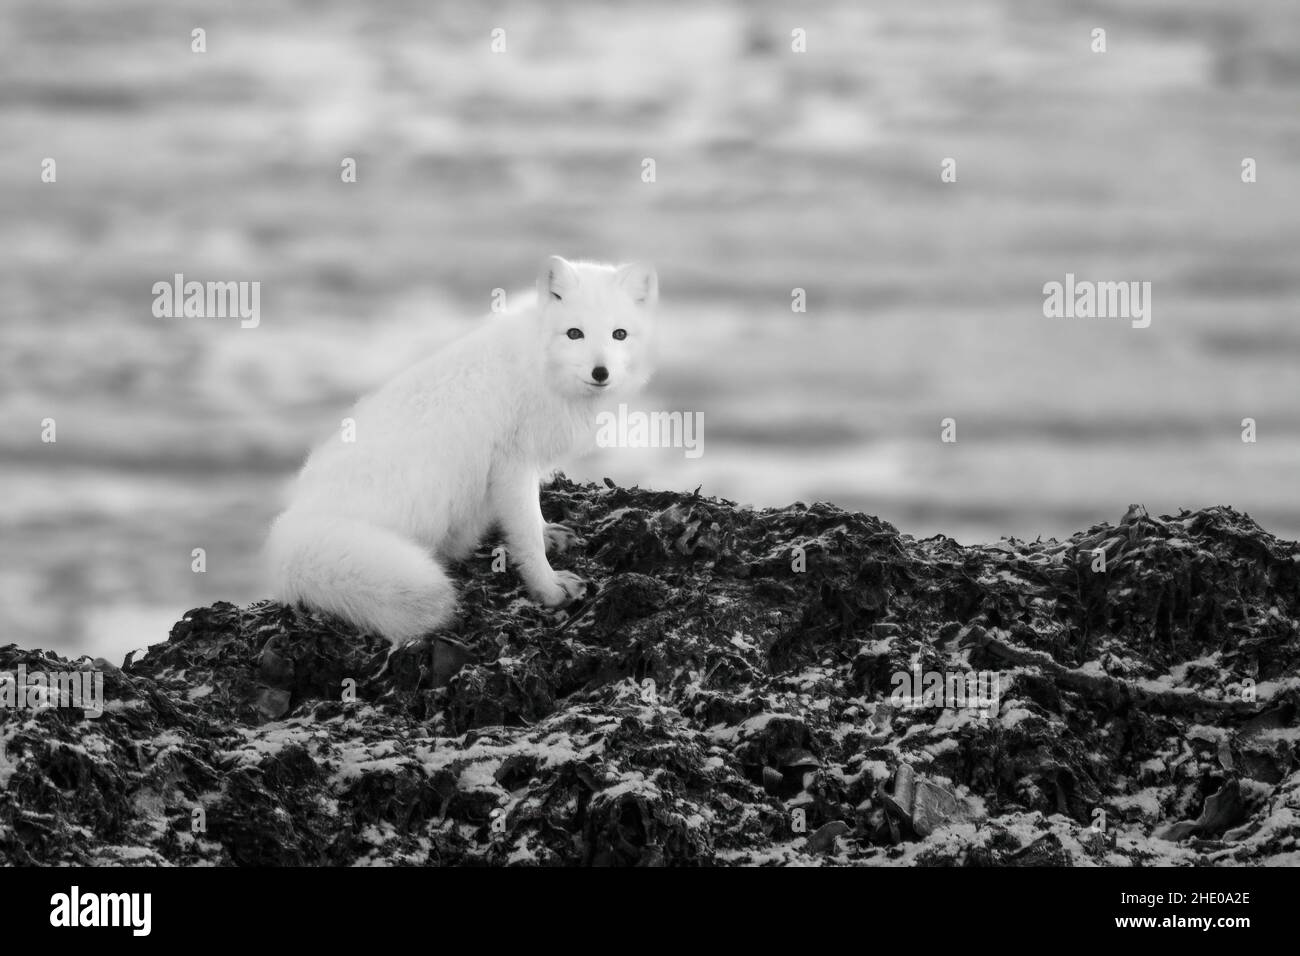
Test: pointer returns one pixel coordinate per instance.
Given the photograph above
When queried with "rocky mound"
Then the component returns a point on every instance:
(745, 687)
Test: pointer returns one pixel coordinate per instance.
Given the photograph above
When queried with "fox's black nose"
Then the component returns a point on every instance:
(600, 373)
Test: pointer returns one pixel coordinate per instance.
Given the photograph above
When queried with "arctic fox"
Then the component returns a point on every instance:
(458, 444)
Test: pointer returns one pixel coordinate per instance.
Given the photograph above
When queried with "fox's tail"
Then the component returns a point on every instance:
(366, 574)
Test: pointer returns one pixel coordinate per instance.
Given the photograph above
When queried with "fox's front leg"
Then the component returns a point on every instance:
(559, 538)
(518, 508)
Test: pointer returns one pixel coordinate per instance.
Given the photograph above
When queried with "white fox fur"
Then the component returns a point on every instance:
(458, 444)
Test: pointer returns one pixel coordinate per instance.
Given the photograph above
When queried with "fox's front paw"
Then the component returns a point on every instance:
(559, 538)
(565, 588)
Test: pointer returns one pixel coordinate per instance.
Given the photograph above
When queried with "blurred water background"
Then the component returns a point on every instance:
(775, 170)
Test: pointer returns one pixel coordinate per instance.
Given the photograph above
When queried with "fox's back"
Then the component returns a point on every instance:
(418, 452)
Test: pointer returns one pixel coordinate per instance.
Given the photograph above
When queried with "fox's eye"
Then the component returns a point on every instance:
(620, 334)
(574, 333)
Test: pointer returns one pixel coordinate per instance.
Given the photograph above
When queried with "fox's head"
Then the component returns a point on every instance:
(597, 321)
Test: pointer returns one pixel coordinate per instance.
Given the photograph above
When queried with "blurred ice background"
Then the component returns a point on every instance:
(776, 170)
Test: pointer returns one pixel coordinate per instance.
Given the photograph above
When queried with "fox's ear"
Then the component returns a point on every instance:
(640, 281)
(556, 279)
